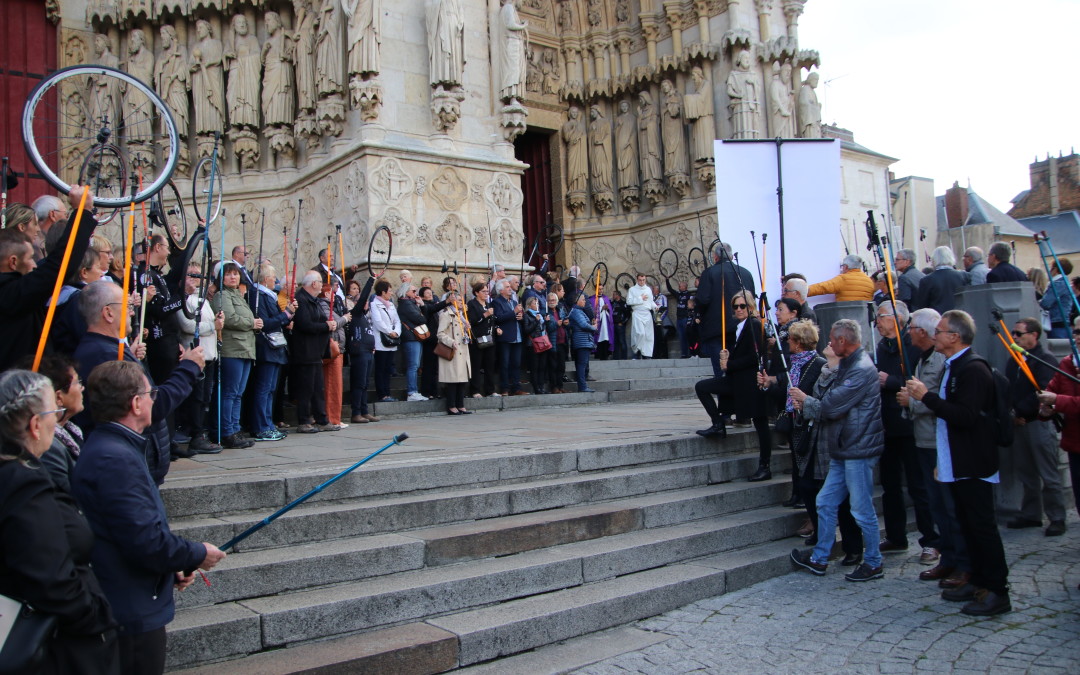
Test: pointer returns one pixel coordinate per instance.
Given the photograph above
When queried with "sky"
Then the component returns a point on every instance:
(957, 90)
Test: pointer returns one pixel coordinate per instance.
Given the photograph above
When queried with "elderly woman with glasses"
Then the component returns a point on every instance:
(45, 542)
(737, 391)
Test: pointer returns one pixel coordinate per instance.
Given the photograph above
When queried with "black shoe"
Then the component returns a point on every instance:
(865, 573)
(811, 540)
(803, 560)
(987, 603)
(763, 473)
(234, 442)
(1056, 529)
(180, 453)
(889, 546)
(715, 431)
(204, 446)
(965, 593)
(851, 559)
(1022, 523)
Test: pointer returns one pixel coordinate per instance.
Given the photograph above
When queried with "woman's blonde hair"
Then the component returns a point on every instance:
(805, 333)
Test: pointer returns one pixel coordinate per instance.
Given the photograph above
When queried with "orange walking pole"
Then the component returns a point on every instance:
(59, 279)
(1019, 359)
(341, 255)
(127, 283)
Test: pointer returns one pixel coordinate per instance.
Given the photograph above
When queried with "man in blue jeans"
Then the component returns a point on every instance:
(508, 313)
(848, 415)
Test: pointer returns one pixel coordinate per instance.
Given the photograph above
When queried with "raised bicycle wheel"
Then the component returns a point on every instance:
(714, 250)
(669, 263)
(590, 283)
(167, 210)
(201, 187)
(696, 261)
(198, 251)
(652, 281)
(553, 235)
(379, 249)
(105, 171)
(623, 282)
(60, 128)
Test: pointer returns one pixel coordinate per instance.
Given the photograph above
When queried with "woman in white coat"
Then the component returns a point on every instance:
(387, 325)
(454, 373)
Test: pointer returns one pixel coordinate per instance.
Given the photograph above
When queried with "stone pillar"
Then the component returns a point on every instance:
(702, 7)
(673, 10)
(764, 8)
(650, 28)
(624, 54)
(793, 9)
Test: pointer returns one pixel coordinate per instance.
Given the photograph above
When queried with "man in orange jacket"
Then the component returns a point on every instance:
(851, 284)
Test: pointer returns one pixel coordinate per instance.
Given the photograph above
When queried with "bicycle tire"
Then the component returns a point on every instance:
(590, 283)
(104, 185)
(712, 252)
(668, 264)
(200, 251)
(553, 234)
(695, 260)
(380, 248)
(623, 282)
(168, 209)
(200, 191)
(44, 121)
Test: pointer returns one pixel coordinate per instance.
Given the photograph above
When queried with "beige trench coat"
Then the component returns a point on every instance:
(454, 333)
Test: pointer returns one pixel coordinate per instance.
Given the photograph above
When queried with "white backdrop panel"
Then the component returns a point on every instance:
(746, 183)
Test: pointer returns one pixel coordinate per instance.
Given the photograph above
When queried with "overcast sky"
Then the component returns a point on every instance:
(956, 89)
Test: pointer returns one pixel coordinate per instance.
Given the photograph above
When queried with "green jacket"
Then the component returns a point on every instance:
(238, 338)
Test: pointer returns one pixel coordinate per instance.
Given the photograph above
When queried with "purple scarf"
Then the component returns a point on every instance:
(798, 362)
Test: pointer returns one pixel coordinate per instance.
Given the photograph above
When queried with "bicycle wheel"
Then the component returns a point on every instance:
(105, 171)
(379, 249)
(167, 210)
(623, 282)
(714, 250)
(669, 262)
(60, 128)
(553, 235)
(199, 251)
(200, 191)
(696, 261)
(652, 281)
(590, 283)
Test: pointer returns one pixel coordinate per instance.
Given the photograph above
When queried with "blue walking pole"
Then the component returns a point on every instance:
(400, 438)
(1041, 239)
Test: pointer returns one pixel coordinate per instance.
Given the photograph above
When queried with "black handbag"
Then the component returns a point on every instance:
(783, 423)
(25, 644)
(388, 341)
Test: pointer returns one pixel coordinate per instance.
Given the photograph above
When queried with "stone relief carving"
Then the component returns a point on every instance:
(699, 112)
(207, 87)
(452, 235)
(577, 163)
(278, 103)
(503, 196)
(600, 159)
(675, 169)
(549, 68)
(446, 107)
(365, 28)
(567, 21)
(809, 108)
(356, 237)
(744, 95)
(104, 92)
(631, 250)
(781, 105)
(138, 127)
(507, 238)
(602, 251)
(304, 44)
(683, 238)
(513, 36)
(172, 81)
(595, 13)
(626, 153)
(330, 69)
(390, 182)
(651, 152)
(74, 51)
(655, 243)
(244, 59)
(355, 185)
(448, 189)
(534, 77)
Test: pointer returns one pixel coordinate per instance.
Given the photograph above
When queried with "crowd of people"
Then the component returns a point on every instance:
(938, 423)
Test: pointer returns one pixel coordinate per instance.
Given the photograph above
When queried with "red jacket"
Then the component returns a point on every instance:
(1068, 404)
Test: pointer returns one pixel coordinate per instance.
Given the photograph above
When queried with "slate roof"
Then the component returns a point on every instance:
(1063, 228)
(981, 212)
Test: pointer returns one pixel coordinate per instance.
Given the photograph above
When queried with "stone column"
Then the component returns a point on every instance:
(702, 7)
(793, 9)
(673, 10)
(624, 54)
(764, 8)
(650, 28)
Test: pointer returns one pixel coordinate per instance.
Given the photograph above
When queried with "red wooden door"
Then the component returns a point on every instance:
(29, 54)
(533, 148)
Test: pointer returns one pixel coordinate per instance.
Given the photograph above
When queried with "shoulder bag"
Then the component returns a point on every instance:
(388, 341)
(24, 636)
(444, 352)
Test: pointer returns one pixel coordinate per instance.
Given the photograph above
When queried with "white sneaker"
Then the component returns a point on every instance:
(496, 394)
(416, 396)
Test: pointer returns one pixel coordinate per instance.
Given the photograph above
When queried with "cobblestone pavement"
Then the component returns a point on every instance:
(799, 623)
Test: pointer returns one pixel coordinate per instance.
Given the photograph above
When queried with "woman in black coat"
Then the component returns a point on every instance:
(45, 542)
(480, 313)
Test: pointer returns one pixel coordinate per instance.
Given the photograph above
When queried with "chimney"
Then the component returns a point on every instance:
(1055, 194)
(956, 206)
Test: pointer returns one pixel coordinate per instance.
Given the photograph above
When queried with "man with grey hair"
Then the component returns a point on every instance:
(974, 265)
(848, 419)
(899, 461)
(910, 276)
(796, 288)
(851, 285)
(937, 289)
(311, 339)
(50, 210)
(1001, 269)
(967, 460)
(954, 567)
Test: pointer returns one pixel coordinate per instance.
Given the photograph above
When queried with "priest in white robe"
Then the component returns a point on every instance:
(641, 302)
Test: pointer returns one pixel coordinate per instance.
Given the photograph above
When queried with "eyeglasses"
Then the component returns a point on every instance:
(152, 393)
(742, 306)
(885, 316)
(1076, 331)
(788, 290)
(1018, 333)
(938, 331)
(59, 412)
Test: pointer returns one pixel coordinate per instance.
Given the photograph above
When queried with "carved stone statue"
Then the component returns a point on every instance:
(278, 103)
(781, 103)
(534, 77)
(513, 37)
(671, 126)
(207, 87)
(172, 82)
(652, 172)
(577, 163)
(549, 66)
(365, 26)
(104, 92)
(626, 155)
(745, 96)
(330, 69)
(699, 110)
(566, 17)
(446, 42)
(304, 49)
(600, 159)
(138, 122)
(809, 108)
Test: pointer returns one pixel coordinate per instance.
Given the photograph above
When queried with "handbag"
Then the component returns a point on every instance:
(541, 343)
(388, 341)
(420, 331)
(24, 636)
(444, 352)
(783, 423)
(276, 339)
(485, 341)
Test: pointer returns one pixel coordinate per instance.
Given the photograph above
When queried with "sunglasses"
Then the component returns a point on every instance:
(742, 306)
(1018, 333)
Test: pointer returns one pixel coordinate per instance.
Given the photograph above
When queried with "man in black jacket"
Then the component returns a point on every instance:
(1001, 269)
(26, 286)
(968, 460)
(718, 286)
(907, 287)
(937, 288)
(1034, 451)
(311, 341)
